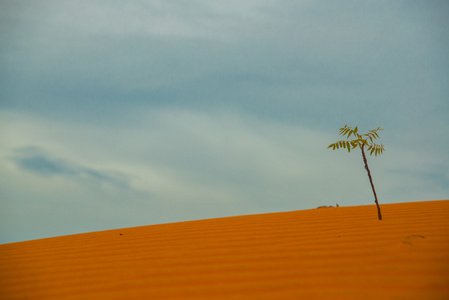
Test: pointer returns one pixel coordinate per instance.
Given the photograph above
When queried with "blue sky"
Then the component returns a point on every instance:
(125, 113)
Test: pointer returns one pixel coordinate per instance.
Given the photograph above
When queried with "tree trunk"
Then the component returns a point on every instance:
(371, 181)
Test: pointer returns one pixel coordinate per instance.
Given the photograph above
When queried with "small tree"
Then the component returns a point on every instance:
(361, 140)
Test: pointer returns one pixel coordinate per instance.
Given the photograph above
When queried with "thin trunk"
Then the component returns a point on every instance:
(371, 181)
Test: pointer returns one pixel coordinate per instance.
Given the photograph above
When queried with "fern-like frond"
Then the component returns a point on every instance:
(342, 144)
(376, 149)
(360, 140)
(348, 131)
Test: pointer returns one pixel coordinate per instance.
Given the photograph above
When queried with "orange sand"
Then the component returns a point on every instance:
(325, 253)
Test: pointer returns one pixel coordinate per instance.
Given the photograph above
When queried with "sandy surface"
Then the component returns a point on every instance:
(323, 253)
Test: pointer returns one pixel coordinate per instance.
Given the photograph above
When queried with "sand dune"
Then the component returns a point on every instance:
(324, 253)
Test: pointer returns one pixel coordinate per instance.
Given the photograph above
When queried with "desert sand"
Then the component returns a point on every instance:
(321, 253)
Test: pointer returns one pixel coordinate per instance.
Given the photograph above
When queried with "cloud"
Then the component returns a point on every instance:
(83, 59)
(42, 165)
(177, 19)
(37, 161)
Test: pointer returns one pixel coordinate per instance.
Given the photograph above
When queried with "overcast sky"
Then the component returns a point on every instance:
(125, 113)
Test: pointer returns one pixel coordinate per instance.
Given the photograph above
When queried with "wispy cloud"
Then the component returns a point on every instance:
(41, 163)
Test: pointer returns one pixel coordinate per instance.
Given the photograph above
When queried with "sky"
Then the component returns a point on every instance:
(127, 113)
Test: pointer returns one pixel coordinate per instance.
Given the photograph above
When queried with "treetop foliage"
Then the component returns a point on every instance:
(361, 140)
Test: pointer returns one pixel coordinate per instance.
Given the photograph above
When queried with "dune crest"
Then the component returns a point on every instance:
(326, 253)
